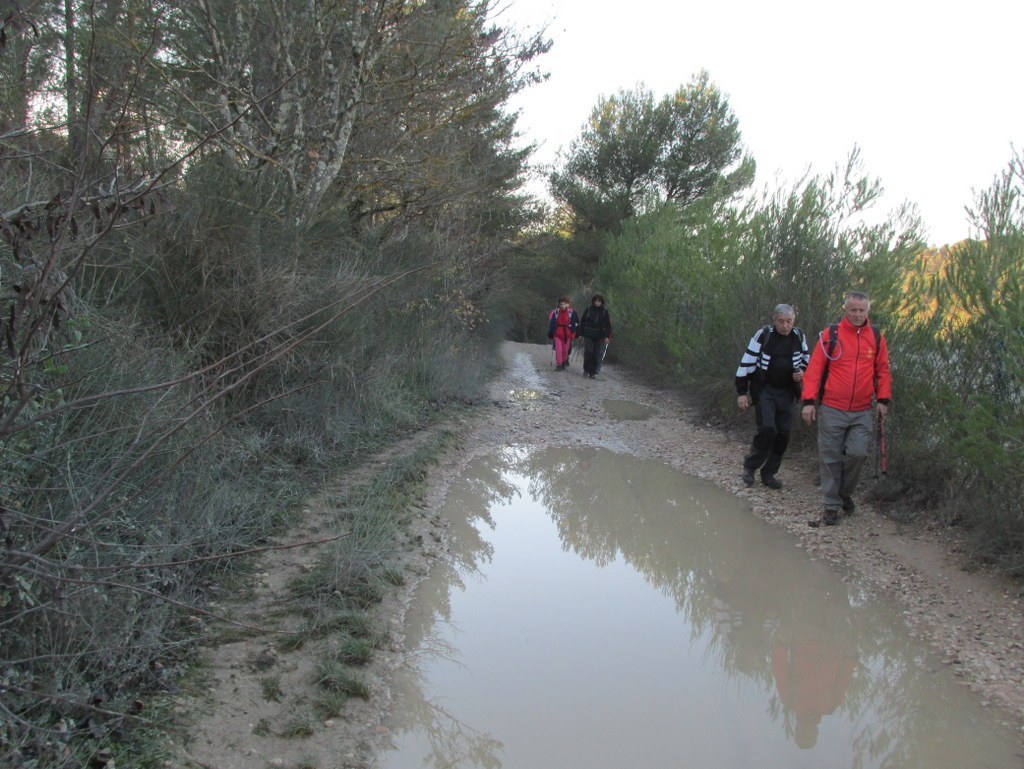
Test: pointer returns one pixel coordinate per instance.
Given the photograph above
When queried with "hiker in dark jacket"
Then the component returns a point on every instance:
(769, 377)
(596, 330)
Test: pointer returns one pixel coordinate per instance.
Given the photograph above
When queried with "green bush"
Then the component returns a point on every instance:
(960, 352)
(689, 286)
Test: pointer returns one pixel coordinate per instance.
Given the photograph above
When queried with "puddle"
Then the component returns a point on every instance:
(624, 410)
(603, 611)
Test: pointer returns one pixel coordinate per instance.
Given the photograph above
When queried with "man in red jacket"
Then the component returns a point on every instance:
(849, 379)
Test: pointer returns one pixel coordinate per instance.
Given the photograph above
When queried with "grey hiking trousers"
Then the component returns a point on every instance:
(843, 441)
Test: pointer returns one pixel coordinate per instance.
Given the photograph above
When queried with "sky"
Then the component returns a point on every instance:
(931, 92)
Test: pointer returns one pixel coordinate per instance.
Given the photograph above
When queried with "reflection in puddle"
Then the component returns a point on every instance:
(624, 410)
(602, 611)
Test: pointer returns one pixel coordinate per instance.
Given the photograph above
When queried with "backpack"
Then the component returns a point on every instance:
(833, 337)
(767, 331)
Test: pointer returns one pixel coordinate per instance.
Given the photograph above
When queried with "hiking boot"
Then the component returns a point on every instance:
(849, 506)
(771, 481)
(830, 517)
(748, 477)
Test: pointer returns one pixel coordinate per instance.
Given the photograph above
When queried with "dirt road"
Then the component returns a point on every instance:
(972, 618)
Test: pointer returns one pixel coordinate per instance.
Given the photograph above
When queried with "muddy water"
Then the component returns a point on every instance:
(603, 611)
(622, 410)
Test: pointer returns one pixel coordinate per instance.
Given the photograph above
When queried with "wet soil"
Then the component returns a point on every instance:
(970, 615)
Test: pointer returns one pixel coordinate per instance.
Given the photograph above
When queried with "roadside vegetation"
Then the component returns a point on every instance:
(244, 246)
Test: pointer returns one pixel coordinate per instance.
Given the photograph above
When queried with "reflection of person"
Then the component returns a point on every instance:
(769, 376)
(849, 369)
(596, 330)
(812, 676)
(814, 652)
(562, 324)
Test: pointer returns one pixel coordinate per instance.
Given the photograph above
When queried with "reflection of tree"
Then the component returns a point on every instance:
(744, 587)
(470, 501)
(468, 510)
(452, 742)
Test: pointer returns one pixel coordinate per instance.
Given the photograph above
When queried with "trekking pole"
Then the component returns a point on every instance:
(600, 360)
(881, 460)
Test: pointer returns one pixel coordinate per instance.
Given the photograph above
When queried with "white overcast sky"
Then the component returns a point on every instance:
(932, 92)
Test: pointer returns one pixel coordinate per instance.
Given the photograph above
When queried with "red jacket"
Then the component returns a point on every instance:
(858, 373)
(563, 323)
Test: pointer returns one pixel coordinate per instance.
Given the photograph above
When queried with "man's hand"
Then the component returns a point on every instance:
(809, 414)
(798, 375)
(743, 402)
(883, 409)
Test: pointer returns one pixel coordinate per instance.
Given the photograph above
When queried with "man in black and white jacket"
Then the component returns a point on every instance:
(768, 378)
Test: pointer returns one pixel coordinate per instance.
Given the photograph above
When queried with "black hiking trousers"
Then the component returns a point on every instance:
(593, 349)
(774, 412)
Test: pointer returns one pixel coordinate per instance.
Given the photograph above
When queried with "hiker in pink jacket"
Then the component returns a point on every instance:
(562, 325)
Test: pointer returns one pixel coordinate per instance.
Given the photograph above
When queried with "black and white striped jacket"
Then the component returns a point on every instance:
(753, 366)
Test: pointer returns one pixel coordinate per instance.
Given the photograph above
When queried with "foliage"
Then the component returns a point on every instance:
(963, 362)
(545, 267)
(810, 244)
(666, 279)
(635, 153)
(690, 284)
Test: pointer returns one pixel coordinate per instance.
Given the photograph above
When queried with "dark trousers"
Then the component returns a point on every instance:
(774, 413)
(593, 351)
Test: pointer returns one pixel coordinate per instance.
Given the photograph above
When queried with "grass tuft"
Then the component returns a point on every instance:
(298, 726)
(328, 704)
(355, 651)
(333, 676)
(271, 688)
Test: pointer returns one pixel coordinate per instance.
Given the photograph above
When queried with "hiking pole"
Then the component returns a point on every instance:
(577, 344)
(881, 460)
(600, 361)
